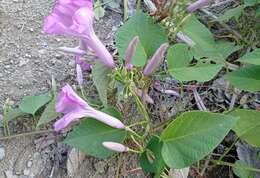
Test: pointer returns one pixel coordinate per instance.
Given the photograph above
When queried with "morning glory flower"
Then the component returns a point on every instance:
(76, 18)
(130, 52)
(118, 147)
(73, 107)
(155, 61)
(197, 5)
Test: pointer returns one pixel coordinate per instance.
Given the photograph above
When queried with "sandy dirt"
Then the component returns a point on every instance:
(27, 61)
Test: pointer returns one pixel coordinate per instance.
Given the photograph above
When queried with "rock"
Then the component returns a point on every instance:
(29, 164)
(9, 174)
(26, 172)
(2, 153)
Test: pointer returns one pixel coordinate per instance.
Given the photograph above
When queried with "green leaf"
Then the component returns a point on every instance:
(13, 114)
(247, 78)
(193, 135)
(31, 104)
(251, 2)
(224, 49)
(242, 173)
(234, 12)
(199, 72)
(101, 80)
(248, 126)
(198, 33)
(151, 160)
(49, 113)
(90, 134)
(179, 55)
(252, 57)
(98, 10)
(205, 45)
(150, 33)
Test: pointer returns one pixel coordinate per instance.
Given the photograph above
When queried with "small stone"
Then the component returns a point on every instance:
(58, 56)
(2, 153)
(42, 51)
(29, 164)
(9, 174)
(26, 172)
(31, 30)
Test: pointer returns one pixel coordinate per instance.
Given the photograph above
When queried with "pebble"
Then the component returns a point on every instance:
(2, 153)
(26, 172)
(29, 164)
(9, 174)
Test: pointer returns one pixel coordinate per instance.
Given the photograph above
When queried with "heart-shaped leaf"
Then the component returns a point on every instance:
(193, 135)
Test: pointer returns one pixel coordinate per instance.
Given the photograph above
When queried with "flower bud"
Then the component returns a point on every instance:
(115, 146)
(130, 52)
(197, 5)
(156, 59)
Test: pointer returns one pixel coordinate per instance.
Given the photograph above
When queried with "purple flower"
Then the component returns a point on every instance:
(197, 5)
(76, 18)
(130, 52)
(83, 64)
(74, 108)
(115, 146)
(155, 61)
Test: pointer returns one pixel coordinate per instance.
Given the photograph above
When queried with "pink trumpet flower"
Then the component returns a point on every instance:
(130, 52)
(74, 108)
(197, 5)
(115, 146)
(76, 18)
(155, 61)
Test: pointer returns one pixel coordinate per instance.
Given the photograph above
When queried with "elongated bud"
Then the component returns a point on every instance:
(115, 146)
(79, 75)
(75, 51)
(156, 59)
(197, 5)
(130, 52)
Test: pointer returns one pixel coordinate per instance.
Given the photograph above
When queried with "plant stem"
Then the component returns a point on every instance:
(125, 10)
(138, 5)
(133, 132)
(228, 150)
(138, 123)
(25, 134)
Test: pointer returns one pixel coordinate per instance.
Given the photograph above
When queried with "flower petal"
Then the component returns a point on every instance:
(69, 101)
(105, 118)
(68, 119)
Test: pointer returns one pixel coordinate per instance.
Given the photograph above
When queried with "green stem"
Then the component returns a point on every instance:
(133, 132)
(138, 5)
(125, 10)
(26, 134)
(228, 150)
(138, 123)
(134, 151)
(176, 30)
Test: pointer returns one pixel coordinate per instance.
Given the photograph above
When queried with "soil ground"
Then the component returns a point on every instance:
(27, 61)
